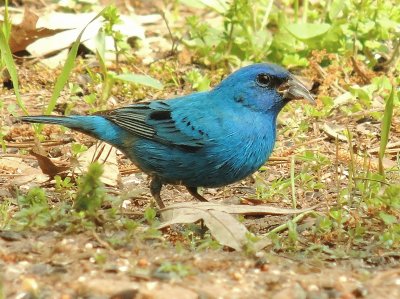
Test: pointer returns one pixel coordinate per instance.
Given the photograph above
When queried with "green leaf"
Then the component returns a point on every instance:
(336, 7)
(386, 123)
(307, 30)
(101, 50)
(217, 5)
(150, 214)
(91, 192)
(387, 218)
(140, 79)
(12, 70)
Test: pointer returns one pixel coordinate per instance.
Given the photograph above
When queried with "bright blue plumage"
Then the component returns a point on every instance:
(207, 139)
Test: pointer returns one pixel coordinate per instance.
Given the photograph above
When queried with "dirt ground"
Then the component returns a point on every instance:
(58, 262)
(63, 266)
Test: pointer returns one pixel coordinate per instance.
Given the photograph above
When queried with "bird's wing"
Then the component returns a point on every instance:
(157, 121)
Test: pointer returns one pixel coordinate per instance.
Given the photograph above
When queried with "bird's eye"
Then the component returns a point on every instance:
(263, 80)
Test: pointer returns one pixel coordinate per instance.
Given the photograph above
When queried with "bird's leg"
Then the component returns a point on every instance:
(155, 189)
(195, 194)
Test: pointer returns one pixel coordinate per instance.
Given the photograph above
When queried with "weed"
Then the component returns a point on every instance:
(91, 192)
(261, 31)
(173, 270)
(198, 81)
(111, 18)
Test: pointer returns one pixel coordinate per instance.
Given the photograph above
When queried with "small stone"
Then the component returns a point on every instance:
(237, 276)
(312, 287)
(30, 285)
(143, 263)
(264, 268)
(342, 278)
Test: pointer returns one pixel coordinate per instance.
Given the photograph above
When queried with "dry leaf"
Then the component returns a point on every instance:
(24, 173)
(184, 208)
(60, 43)
(333, 131)
(47, 166)
(365, 162)
(25, 33)
(225, 228)
(186, 216)
(104, 154)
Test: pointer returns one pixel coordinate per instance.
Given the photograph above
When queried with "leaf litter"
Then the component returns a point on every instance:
(60, 264)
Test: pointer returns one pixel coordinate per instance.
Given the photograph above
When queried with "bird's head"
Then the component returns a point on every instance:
(263, 87)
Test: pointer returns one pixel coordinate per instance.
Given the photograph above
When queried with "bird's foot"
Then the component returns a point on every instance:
(155, 189)
(195, 194)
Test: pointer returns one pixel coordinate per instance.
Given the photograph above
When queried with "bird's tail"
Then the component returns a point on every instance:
(66, 121)
(93, 125)
(76, 122)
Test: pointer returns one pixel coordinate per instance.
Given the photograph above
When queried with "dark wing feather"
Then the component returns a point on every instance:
(153, 121)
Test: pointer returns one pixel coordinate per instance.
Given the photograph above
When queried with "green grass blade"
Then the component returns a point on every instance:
(12, 70)
(140, 79)
(386, 122)
(6, 26)
(292, 182)
(66, 71)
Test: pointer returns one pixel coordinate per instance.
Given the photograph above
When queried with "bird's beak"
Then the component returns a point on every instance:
(294, 89)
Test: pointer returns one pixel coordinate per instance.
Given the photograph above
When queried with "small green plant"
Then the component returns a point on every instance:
(5, 214)
(277, 188)
(198, 81)
(263, 31)
(34, 209)
(91, 192)
(111, 18)
(173, 270)
(100, 258)
(150, 215)
(77, 149)
(241, 36)
(292, 233)
(35, 196)
(65, 183)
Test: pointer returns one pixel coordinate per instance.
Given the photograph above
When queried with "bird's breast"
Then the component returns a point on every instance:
(238, 156)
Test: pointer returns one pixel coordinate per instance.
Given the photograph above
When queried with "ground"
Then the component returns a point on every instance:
(346, 248)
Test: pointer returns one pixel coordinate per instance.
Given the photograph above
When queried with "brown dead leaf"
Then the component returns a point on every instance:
(25, 33)
(47, 166)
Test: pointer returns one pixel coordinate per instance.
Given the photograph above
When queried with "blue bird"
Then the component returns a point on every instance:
(204, 139)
